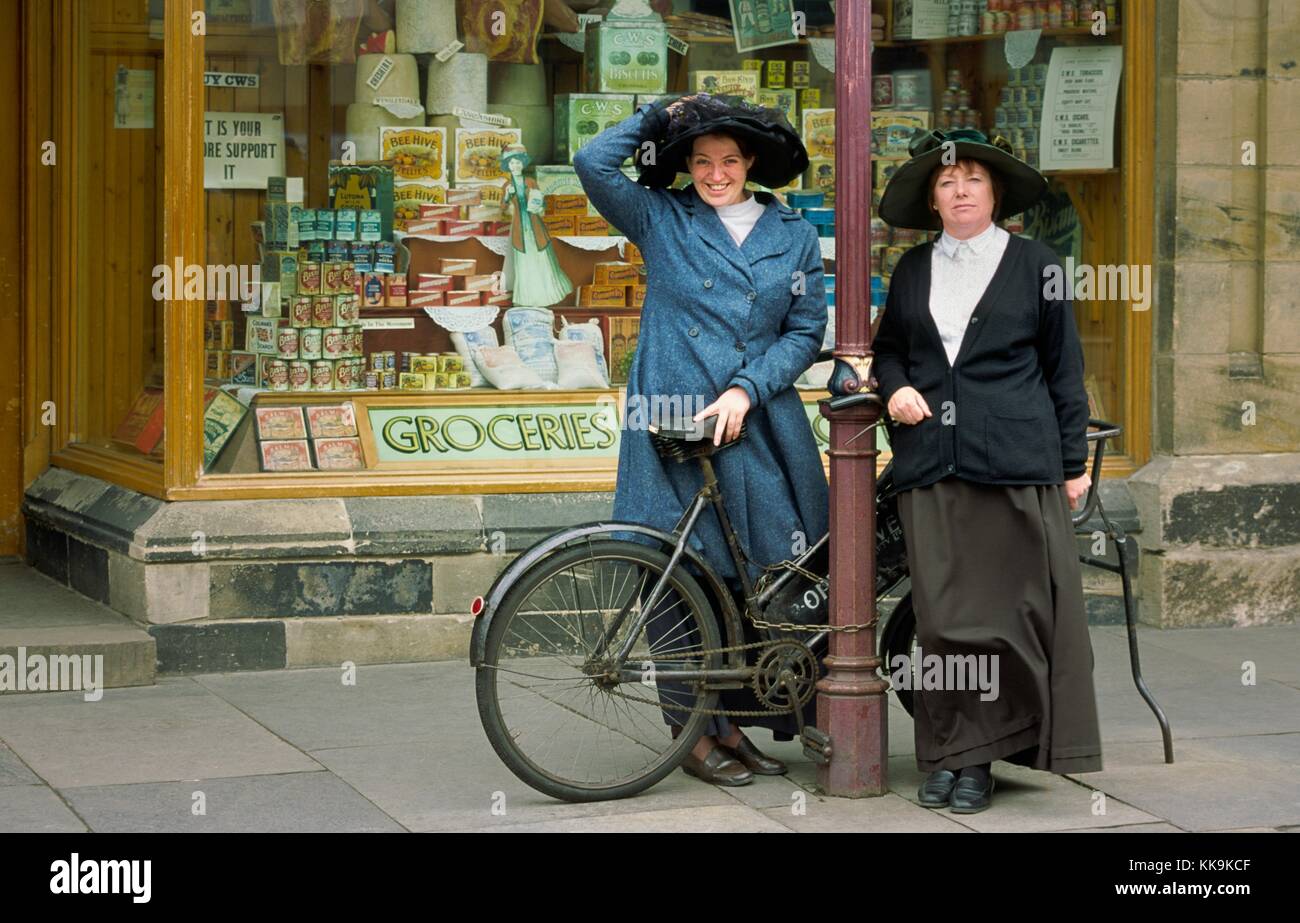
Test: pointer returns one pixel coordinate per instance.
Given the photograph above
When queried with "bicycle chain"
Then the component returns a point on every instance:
(727, 712)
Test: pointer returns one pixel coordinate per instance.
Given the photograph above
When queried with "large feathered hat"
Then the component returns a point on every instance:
(906, 201)
(779, 154)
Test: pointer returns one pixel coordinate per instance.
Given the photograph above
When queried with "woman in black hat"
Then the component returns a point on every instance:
(734, 312)
(982, 373)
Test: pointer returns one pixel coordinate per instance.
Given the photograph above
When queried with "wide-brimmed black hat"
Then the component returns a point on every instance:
(779, 154)
(906, 202)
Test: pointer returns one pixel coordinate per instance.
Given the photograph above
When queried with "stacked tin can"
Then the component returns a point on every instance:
(381, 371)
(434, 372)
(1009, 15)
(955, 106)
(1019, 113)
(323, 345)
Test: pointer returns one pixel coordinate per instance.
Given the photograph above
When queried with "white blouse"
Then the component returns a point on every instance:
(960, 271)
(739, 219)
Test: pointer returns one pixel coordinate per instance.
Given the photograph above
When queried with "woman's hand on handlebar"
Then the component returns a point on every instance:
(730, 409)
(1076, 489)
(907, 406)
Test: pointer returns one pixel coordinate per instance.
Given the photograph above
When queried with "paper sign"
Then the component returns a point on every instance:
(133, 99)
(387, 323)
(220, 80)
(762, 23)
(1078, 127)
(241, 150)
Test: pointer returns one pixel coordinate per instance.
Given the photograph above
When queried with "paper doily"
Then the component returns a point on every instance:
(823, 50)
(463, 320)
(1019, 46)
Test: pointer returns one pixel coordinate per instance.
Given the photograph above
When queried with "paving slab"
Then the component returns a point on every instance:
(767, 791)
(35, 809)
(1217, 706)
(884, 814)
(393, 703)
(1274, 649)
(1160, 827)
(30, 601)
(12, 770)
(1202, 790)
(168, 732)
(301, 802)
(454, 784)
(731, 818)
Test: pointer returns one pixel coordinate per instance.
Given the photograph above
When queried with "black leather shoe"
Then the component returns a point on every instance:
(970, 797)
(755, 760)
(937, 789)
(718, 768)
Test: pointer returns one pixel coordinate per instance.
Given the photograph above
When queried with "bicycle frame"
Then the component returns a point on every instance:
(708, 495)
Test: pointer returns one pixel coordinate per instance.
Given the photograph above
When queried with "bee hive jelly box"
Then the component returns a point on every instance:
(628, 57)
(418, 154)
(780, 99)
(579, 117)
(819, 132)
(409, 198)
(743, 83)
(478, 153)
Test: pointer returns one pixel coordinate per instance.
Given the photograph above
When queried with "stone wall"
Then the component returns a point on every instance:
(1217, 499)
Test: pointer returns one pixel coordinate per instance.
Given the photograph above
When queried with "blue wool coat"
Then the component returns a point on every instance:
(717, 316)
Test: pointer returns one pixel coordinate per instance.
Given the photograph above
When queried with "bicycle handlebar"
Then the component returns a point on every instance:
(1103, 431)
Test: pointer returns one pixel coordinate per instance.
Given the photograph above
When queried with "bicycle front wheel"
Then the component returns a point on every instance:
(555, 707)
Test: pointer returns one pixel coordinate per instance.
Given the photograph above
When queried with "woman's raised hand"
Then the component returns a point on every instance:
(730, 409)
(907, 406)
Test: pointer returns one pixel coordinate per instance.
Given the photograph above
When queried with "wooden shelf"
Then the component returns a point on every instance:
(1080, 31)
(1068, 174)
(709, 39)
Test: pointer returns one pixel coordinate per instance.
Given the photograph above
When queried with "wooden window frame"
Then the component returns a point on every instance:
(180, 475)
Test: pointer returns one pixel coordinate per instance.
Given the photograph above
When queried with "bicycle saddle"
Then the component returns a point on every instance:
(682, 437)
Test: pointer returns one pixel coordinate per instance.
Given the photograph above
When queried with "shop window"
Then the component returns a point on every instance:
(357, 199)
(115, 335)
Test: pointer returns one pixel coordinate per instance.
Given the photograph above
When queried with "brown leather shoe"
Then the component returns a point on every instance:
(718, 768)
(756, 760)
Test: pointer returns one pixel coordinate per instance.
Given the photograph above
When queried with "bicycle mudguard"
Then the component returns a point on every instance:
(712, 584)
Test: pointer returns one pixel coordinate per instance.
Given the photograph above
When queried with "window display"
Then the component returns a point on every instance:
(398, 174)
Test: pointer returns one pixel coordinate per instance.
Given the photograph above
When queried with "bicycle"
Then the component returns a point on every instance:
(578, 631)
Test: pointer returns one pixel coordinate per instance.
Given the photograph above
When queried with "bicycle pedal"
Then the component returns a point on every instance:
(816, 745)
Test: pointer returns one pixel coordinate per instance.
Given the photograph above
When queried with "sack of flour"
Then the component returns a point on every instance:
(531, 331)
(466, 343)
(587, 332)
(577, 366)
(503, 369)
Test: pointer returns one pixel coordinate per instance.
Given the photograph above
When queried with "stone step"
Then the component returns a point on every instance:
(44, 625)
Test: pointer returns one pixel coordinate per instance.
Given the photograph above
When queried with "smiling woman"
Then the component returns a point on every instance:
(721, 319)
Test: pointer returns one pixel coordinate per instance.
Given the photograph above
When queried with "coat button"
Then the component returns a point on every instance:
(751, 296)
(974, 320)
(694, 332)
(950, 468)
(708, 283)
(740, 347)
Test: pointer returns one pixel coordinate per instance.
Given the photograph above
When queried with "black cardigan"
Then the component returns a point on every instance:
(1014, 401)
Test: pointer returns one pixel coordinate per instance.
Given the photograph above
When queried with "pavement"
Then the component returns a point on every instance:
(403, 749)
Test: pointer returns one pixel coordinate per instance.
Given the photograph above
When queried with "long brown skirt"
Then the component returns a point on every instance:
(995, 572)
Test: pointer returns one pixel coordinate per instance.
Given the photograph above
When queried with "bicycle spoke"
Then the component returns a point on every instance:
(563, 707)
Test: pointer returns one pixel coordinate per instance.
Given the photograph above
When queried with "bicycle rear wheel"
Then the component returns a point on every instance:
(899, 640)
(552, 707)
